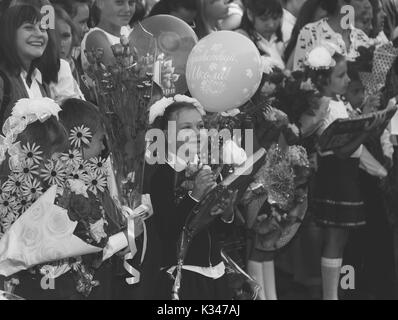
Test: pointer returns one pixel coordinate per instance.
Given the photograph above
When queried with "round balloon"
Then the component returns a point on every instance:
(224, 71)
(175, 40)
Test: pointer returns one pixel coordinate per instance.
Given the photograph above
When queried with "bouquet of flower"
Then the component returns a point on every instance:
(276, 199)
(51, 209)
(290, 93)
(124, 92)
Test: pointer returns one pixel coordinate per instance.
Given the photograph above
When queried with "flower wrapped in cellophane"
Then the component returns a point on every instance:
(53, 205)
(124, 94)
(276, 201)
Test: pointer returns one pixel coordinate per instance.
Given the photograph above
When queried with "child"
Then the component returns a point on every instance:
(337, 197)
(113, 15)
(210, 13)
(67, 85)
(330, 29)
(203, 275)
(262, 23)
(52, 138)
(112, 276)
(22, 45)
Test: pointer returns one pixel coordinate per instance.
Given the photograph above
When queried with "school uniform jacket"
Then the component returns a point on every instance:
(170, 218)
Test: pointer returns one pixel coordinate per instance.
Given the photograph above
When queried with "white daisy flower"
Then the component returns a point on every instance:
(95, 182)
(14, 184)
(80, 136)
(98, 165)
(77, 175)
(7, 205)
(84, 166)
(72, 158)
(32, 189)
(8, 220)
(28, 170)
(32, 153)
(2, 191)
(53, 173)
(23, 204)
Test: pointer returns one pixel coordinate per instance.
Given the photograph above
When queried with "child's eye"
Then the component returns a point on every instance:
(28, 26)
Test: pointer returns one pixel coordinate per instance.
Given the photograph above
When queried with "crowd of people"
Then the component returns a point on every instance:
(352, 215)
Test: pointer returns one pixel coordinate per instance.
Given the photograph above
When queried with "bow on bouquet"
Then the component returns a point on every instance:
(52, 207)
(276, 201)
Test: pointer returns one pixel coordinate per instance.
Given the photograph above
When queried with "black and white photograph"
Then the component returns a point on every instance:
(198, 154)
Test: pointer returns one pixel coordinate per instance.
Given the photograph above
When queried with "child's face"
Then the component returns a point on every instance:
(188, 119)
(339, 80)
(381, 17)
(216, 9)
(267, 25)
(355, 94)
(81, 19)
(118, 12)
(65, 37)
(96, 146)
(31, 41)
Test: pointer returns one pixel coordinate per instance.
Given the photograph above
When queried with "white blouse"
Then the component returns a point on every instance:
(337, 110)
(34, 91)
(67, 86)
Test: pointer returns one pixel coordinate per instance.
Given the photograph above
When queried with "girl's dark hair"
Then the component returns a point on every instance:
(77, 113)
(139, 14)
(167, 6)
(258, 8)
(353, 71)
(13, 18)
(330, 6)
(321, 77)
(95, 16)
(305, 16)
(163, 121)
(50, 136)
(375, 22)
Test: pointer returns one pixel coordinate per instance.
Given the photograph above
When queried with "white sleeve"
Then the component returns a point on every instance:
(386, 144)
(67, 86)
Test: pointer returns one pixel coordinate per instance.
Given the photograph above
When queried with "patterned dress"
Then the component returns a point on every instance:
(316, 33)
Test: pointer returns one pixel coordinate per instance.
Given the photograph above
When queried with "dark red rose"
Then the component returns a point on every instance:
(79, 208)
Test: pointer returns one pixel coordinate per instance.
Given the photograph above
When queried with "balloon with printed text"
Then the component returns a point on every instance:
(224, 71)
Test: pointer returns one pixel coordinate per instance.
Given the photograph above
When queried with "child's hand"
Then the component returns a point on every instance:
(377, 122)
(226, 207)
(371, 104)
(388, 163)
(204, 182)
(313, 159)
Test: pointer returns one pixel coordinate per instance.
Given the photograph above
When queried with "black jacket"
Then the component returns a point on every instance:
(170, 219)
